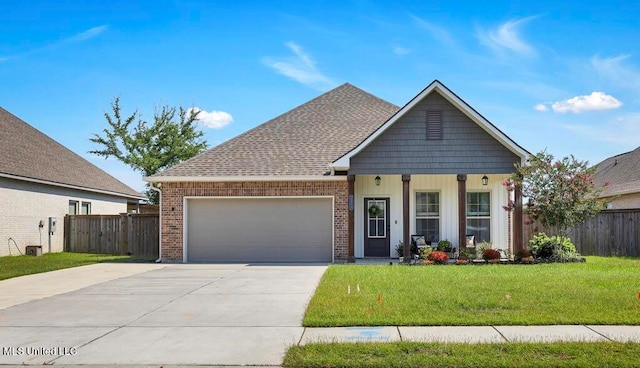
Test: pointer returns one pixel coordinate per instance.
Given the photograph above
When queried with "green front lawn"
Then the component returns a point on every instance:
(600, 291)
(14, 266)
(412, 354)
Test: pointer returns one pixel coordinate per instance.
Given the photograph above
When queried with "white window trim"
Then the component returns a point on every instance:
(76, 204)
(384, 220)
(481, 217)
(414, 208)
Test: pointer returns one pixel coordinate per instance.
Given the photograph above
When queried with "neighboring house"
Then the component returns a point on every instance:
(344, 175)
(41, 180)
(622, 173)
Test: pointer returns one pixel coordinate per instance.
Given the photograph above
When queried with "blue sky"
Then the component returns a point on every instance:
(559, 75)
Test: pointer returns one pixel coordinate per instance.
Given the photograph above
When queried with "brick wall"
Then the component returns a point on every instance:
(173, 198)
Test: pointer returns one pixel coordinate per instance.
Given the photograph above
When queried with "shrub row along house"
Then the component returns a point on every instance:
(343, 176)
(41, 181)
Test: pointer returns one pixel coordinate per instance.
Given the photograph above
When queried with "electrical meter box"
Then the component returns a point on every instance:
(52, 224)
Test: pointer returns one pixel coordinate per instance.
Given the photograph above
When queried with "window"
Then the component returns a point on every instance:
(86, 208)
(428, 215)
(434, 124)
(377, 218)
(73, 207)
(479, 215)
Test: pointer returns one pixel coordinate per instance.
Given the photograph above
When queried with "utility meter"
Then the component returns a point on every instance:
(52, 225)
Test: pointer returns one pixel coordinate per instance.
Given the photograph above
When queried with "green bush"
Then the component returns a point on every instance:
(424, 252)
(400, 249)
(544, 246)
(444, 244)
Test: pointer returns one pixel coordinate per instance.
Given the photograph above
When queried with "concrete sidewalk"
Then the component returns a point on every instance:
(473, 334)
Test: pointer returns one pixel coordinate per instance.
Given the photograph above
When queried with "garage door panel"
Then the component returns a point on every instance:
(260, 230)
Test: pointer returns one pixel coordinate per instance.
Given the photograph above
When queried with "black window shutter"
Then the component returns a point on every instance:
(434, 124)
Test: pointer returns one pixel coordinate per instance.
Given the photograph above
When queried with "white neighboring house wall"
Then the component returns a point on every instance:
(447, 185)
(24, 204)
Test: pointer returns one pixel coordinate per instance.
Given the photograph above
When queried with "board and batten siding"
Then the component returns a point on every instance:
(447, 186)
(466, 148)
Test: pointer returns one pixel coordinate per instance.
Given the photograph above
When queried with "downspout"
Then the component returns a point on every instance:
(157, 189)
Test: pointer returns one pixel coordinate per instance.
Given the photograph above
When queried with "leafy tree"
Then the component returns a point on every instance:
(149, 148)
(561, 194)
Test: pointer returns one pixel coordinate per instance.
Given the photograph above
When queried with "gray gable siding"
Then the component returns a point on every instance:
(403, 148)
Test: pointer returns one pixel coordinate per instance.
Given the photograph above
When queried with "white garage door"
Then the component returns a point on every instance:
(259, 230)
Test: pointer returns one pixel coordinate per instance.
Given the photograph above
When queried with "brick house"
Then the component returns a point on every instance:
(345, 175)
(41, 181)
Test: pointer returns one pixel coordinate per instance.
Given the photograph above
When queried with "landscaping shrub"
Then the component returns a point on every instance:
(438, 257)
(400, 249)
(489, 254)
(424, 252)
(444, 245)
(544, 246)
(522, 253)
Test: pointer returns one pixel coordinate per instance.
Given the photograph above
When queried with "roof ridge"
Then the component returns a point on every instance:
(46, 140)
(276, 119)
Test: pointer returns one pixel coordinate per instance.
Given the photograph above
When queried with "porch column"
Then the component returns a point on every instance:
(350, 219)
(462, 210)
(406, 237)
(518, 241)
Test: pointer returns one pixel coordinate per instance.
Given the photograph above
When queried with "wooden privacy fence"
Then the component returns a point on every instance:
(609, 233)
(132, 234)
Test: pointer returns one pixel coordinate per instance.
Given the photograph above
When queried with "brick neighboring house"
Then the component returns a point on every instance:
(345, 175)
(41, 179)
(622, 172)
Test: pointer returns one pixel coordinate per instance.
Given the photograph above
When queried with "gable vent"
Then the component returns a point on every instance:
(434, 124)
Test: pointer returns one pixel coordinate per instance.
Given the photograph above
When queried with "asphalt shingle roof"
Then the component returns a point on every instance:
(28, 153)
(621, 171)
(300, 142)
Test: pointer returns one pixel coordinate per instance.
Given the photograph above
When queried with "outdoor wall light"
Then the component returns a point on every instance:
(485, 180)
(377, 180)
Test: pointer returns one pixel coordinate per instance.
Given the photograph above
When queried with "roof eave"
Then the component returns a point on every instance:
(70, 186)
(176, 179)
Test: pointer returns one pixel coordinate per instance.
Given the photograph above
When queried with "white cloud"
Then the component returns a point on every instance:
(300, 67)
(80, 37)
(541, 107)
(213, 119)
(398, 50)
(440, 34)
(593, 102)
(507, 36)
(623, 131)
(88, 34)
(613, 68)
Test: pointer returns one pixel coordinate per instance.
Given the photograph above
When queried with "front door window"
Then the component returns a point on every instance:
(377, 218)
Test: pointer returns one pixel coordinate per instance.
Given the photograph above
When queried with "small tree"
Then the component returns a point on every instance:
(560, 194)
(148, 148)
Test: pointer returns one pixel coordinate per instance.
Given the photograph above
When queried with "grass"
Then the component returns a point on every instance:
(600, 291)
(412, 354)
(14, 266)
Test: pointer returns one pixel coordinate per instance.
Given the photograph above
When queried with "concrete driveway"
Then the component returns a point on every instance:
(203, 314)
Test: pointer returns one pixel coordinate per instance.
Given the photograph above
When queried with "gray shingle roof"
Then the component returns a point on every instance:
(27, 153)
(301, 142)
(621, 171)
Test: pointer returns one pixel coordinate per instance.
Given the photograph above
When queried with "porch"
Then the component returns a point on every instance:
(386, 210)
